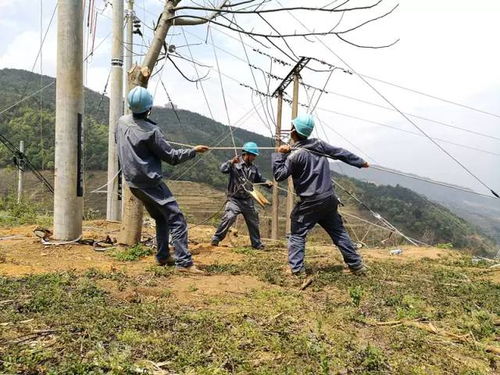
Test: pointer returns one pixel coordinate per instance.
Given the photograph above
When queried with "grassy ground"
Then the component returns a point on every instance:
(428, 311)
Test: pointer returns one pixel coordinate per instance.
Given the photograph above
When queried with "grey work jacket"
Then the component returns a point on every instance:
(241, 175)
(141, 148)
(309, 167)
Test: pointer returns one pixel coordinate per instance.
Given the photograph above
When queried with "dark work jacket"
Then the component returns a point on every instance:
(309, 167)
(241, 175)
(141, 148)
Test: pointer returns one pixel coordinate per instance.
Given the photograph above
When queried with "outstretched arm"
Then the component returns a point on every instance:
(163, 150)
(259, 179)
(344, 155)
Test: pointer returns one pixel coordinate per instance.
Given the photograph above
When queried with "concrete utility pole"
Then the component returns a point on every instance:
(113, 207)
(275, 209)
(129, 50)
(293, 75)
(20, 172)
(68, 189)
(295, 111)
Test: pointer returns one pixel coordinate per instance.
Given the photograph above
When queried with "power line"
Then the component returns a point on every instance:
(413, 115)
(364, 101)
(407, 131)
(22, 156)
(400, 112)
(372, 121)
(27, 97)
(431, 96)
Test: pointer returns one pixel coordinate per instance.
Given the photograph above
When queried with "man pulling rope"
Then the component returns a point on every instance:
(141, 149)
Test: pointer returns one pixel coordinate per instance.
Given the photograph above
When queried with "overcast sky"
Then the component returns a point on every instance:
(447, 48)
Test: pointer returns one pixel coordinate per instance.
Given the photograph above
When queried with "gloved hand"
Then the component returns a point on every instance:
(235, 160)
(201, 149)
(284, 149)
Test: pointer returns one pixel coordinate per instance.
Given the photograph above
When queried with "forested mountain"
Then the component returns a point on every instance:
(33, 122)
(483, 212)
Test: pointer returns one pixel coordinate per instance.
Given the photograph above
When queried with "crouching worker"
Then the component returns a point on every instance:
(307, 163)
(141, 149)
(242, 174)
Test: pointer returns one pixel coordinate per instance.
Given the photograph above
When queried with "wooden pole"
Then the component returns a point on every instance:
(295, 111)
(275, 208)
(129, 56)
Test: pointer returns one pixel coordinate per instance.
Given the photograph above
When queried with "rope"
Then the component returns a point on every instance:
(98, 190)
(216, 147)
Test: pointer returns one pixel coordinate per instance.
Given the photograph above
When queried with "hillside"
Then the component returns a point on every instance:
(72, 310)
(415, 216)
(481, 211)
(35, 127)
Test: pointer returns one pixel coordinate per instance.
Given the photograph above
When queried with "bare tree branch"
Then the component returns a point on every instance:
(313, 9)
(259, 34)
(182, 73)
(369, 21)
(284, 40)
(181, 21)
(361, 46)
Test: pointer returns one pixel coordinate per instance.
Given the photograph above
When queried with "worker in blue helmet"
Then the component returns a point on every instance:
(141, 149)
(243, 173)
(307, 162)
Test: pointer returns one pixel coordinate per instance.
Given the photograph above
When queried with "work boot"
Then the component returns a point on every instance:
(170, 261)
(214, 243)
(260, 247)
(298, 274)
(361, 270)
(193, 270)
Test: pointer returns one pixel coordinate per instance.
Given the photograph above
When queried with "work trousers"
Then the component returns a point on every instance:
(161, 205)
(233, 208)
(305, 216)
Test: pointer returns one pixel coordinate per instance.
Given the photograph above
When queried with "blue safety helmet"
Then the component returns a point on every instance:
(251, 148)
(304, 125)
(139, 100)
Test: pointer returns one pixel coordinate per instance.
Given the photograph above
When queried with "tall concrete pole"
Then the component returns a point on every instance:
(113, 207)
(295, 111)
(131, 228)
(68, 189)
(277, 143)
(20, 173)
(129, 50)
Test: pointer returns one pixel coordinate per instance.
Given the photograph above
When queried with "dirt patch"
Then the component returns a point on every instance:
(203, 287)
(409, 253)
(186, 290)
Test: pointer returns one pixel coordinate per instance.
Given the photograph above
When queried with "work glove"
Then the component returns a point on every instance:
(284, 149)
(201, 149)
